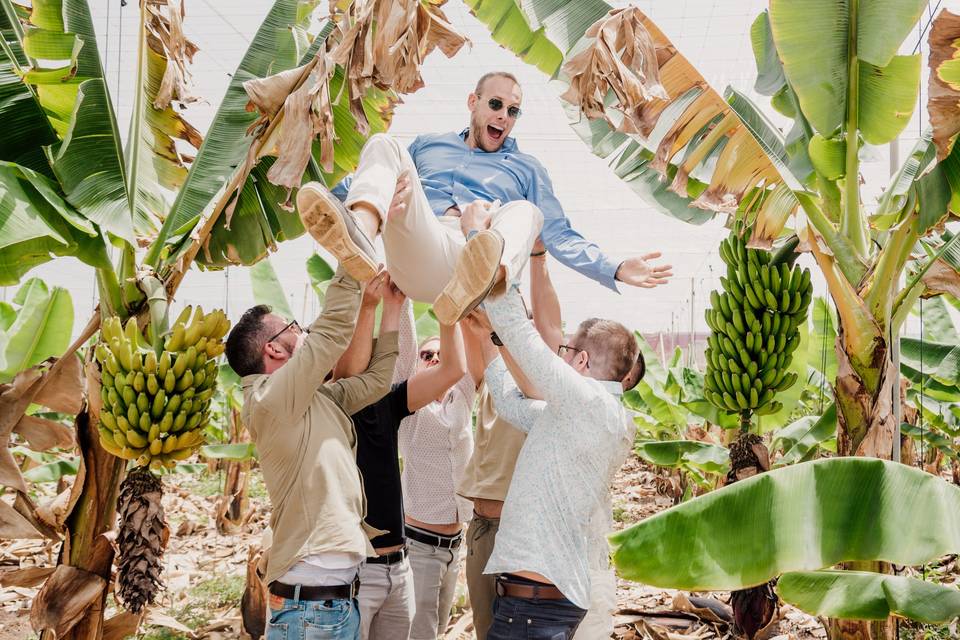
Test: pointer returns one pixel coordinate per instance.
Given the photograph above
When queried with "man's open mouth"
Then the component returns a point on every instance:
(494, 131)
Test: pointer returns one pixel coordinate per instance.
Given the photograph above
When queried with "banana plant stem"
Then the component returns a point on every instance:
(852, 223)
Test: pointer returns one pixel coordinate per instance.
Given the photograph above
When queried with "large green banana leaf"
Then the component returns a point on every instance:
(155, 167)
(42, 328)
(36, 223)
(937, 323)
(772, 82)
(861, 595)
(68, 78)
(26, 128)
(834, 51)
(804, 517)
(929, 437)
(511, 28)
(704, 456)
(800, 440)
(279, 44)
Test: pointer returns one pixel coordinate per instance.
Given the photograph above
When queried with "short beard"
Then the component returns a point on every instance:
(477, 132)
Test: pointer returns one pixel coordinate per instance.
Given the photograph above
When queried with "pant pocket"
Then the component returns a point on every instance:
(284, 622)
(327, 617)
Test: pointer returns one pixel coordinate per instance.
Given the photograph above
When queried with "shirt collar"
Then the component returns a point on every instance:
(509, 145)
(614, 387)
(247, 381)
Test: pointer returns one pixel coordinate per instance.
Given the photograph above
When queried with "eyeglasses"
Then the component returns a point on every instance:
(566, 347)
(293, 323)
(496, 104)
(429, 354)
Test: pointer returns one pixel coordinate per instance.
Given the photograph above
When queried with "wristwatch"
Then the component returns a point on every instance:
(495, 339)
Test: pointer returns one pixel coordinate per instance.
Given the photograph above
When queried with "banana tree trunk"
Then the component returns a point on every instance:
(865, 418)
(865, 427)
(86, 546)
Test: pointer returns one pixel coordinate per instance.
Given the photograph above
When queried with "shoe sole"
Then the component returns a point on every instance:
(473, 278)
(324, 221)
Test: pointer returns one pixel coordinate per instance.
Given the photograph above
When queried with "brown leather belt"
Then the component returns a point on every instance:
(510, 588)
(336, 592)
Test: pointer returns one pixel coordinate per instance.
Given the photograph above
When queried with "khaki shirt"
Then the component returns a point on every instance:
(306, 439)
(496, 446)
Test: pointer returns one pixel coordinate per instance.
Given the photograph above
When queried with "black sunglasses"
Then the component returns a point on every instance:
(429, 354)
(496, 104)
(292, 323)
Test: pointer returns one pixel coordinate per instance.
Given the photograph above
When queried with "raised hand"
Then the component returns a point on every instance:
(640, 271)
(476, 216)
(374, 289)
(392, 296)
(398, 206)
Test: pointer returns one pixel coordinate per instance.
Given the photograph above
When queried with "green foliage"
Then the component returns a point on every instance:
(267, 288)
(37, 327)
(803, 517)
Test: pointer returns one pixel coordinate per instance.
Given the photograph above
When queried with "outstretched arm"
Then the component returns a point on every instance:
(511, 404)
(291, 387)
(426, 386)
(550, 375)
(356, 392)
(544, 301)
(573, 250)
(357, 356)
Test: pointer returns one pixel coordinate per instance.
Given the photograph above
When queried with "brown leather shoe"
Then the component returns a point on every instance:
(335, 228)
(473, 278)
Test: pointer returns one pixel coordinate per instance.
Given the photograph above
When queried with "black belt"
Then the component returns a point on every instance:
(336, 592)
(530, 589)
(433, 539)
(394, 557)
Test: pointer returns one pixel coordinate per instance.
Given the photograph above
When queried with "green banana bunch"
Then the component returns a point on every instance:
(754, 323)
(154, 408)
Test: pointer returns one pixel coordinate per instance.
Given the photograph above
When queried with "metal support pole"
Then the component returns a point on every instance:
(895, 336)
(691, 360)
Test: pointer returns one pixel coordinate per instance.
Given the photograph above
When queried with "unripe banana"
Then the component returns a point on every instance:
(136, 439)
(150, 363)
(159, 401)
(170, 443)
(163, 365)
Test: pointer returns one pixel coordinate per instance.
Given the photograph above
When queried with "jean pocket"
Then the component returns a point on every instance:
(325, 616)
(276, 631)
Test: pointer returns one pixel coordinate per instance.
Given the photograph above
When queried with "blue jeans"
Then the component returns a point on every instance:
(313, 619)
(530, 619)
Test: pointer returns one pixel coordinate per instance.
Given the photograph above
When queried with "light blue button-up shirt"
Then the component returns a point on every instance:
(453, 174)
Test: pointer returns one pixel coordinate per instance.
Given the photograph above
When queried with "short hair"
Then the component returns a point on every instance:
(611, 347)
(245, 342)
(636, 373)
(494, 74)
(426, 340)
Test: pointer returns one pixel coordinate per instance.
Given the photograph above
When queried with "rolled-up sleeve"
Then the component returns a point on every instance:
(563, 241)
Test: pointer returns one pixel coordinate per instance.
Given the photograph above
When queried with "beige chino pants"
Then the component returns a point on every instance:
(422, 248)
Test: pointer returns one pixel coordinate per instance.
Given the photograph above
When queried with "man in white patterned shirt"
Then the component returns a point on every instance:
(575, 440)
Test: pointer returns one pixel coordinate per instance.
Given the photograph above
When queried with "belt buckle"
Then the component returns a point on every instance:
(355, 586)
(501, 589)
